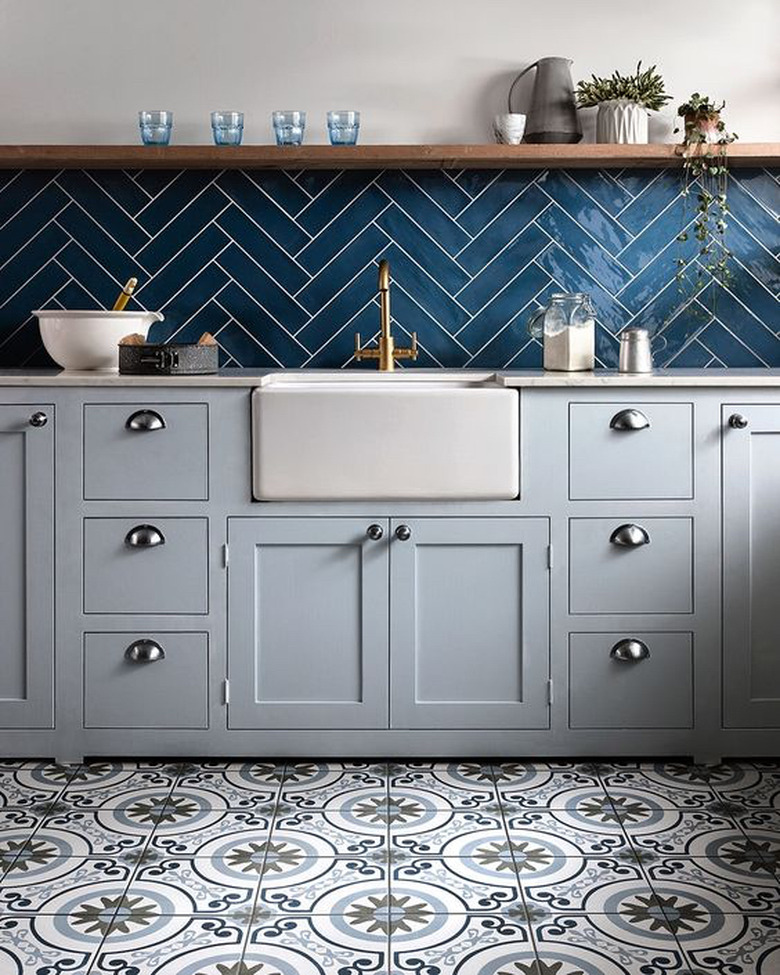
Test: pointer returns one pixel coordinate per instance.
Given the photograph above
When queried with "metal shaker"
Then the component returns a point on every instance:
(636, 350)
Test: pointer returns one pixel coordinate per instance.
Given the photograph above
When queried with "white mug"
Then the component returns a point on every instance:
(509, 128)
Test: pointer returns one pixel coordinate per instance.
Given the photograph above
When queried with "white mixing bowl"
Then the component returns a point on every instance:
(89, 339)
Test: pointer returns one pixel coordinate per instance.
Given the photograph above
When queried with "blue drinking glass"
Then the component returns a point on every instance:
(155, 127)
(289, 127)
(227, 127)
(343, 128)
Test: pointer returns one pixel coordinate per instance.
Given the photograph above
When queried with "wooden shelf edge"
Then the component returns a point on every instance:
(584, 156)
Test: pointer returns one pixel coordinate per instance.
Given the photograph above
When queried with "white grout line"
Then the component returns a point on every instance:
(162, 192)
(512, 320)
(639, 195)
(37, 271)
(200, 271)
(499, 214)
(430, 277)
(427, 314)
(487, 186)
(246, 331)
(23, 207)
(52, 220)
(322, 230)
(260, 267)
(75, 203)
(180, 251)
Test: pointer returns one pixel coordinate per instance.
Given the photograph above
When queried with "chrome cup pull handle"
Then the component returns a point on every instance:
(629, 420)
(629, 651)
(144, 536)
(630, 536)
(145, 420)
(144, 652)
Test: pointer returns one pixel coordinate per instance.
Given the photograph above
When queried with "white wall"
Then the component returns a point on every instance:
(420, 70)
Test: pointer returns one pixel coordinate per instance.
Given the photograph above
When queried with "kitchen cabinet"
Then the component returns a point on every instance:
(307, 622)
(469, 623)
(26, 555)
(751, 565)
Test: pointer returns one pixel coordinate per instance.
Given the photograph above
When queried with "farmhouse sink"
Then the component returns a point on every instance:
(361, 436)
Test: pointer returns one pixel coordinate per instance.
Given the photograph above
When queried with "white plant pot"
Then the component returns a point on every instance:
(621, 121)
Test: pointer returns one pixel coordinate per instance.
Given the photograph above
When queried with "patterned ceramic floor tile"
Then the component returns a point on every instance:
(211, 833)
(573, 884)
(635, 943)
(749, 785)
(742, 887)
(315, 785)
(535, 784)
(108, 783)
(33, 783)
(335, 832)
(679, 831)
(442, 833)
(461, 785)
(105, 833)
(39, 884)
(297, 884)
(735, 945)
(467, 944)
(565, 832)
(480, 882)
(676, 785)
(236, 785)
(323, 944)
(142, 941)
(32, 944)
(199, 885)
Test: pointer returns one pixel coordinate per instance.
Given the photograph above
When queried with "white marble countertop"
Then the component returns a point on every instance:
(509, 377)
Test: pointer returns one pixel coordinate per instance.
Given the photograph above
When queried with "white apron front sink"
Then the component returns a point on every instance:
(364, 436)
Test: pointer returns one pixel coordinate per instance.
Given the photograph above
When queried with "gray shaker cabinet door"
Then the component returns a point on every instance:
(26, 557)
(751, 568)
(308, 630)
(469, 623)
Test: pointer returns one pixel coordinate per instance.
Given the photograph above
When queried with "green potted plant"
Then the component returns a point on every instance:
(624, 102)
(705, 142)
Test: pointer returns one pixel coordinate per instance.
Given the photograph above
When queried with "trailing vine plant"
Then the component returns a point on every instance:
(705, 182)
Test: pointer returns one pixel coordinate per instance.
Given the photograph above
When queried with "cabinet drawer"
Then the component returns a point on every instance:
(146, 565)
(607, 692)
(146, 451)
(146, 680)
(629, 450)
(630, 565)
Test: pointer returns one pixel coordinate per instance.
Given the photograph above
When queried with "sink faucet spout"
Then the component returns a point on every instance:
(385, 352)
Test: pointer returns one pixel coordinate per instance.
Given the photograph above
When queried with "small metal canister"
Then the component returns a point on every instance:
(636, 350)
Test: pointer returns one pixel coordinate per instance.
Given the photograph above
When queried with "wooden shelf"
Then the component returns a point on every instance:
(584, 156)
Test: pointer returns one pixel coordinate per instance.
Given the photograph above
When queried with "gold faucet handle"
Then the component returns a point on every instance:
(411, 352)
(363, 353)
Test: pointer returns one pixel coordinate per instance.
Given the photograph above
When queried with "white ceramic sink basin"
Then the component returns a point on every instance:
(353, 436)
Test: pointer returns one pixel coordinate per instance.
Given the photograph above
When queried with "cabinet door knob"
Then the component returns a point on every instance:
(144, 536)
(143, 420)
(630, 536)
(39, 420)
(144, 652)
(403, 533)
(737, 421)
(374, 532)
(630, 651)
(629, 420)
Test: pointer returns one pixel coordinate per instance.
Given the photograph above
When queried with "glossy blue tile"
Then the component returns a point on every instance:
(293, 253)
(428, 215)
(334, 198)
(442, 188)
(572, 277)
(586, 250)
(423, 248)
(500, 271)
(327, 244)
(426, 291)
(561, 188)
(336, 275)
(181, 230)
(262, 209)
(652, 200)
(265, 291)
(99, 205)
(503, 308)
(493, 199)
(503, 229)
(274, 260)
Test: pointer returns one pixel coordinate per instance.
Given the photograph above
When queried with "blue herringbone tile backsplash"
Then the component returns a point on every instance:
(281, 266)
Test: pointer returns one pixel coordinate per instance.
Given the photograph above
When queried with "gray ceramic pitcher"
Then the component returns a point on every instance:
(553, 113)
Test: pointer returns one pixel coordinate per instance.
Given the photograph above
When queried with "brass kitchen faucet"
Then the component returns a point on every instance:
(386, 352)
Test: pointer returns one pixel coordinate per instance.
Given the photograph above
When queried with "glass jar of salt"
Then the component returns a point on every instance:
(567, 328)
